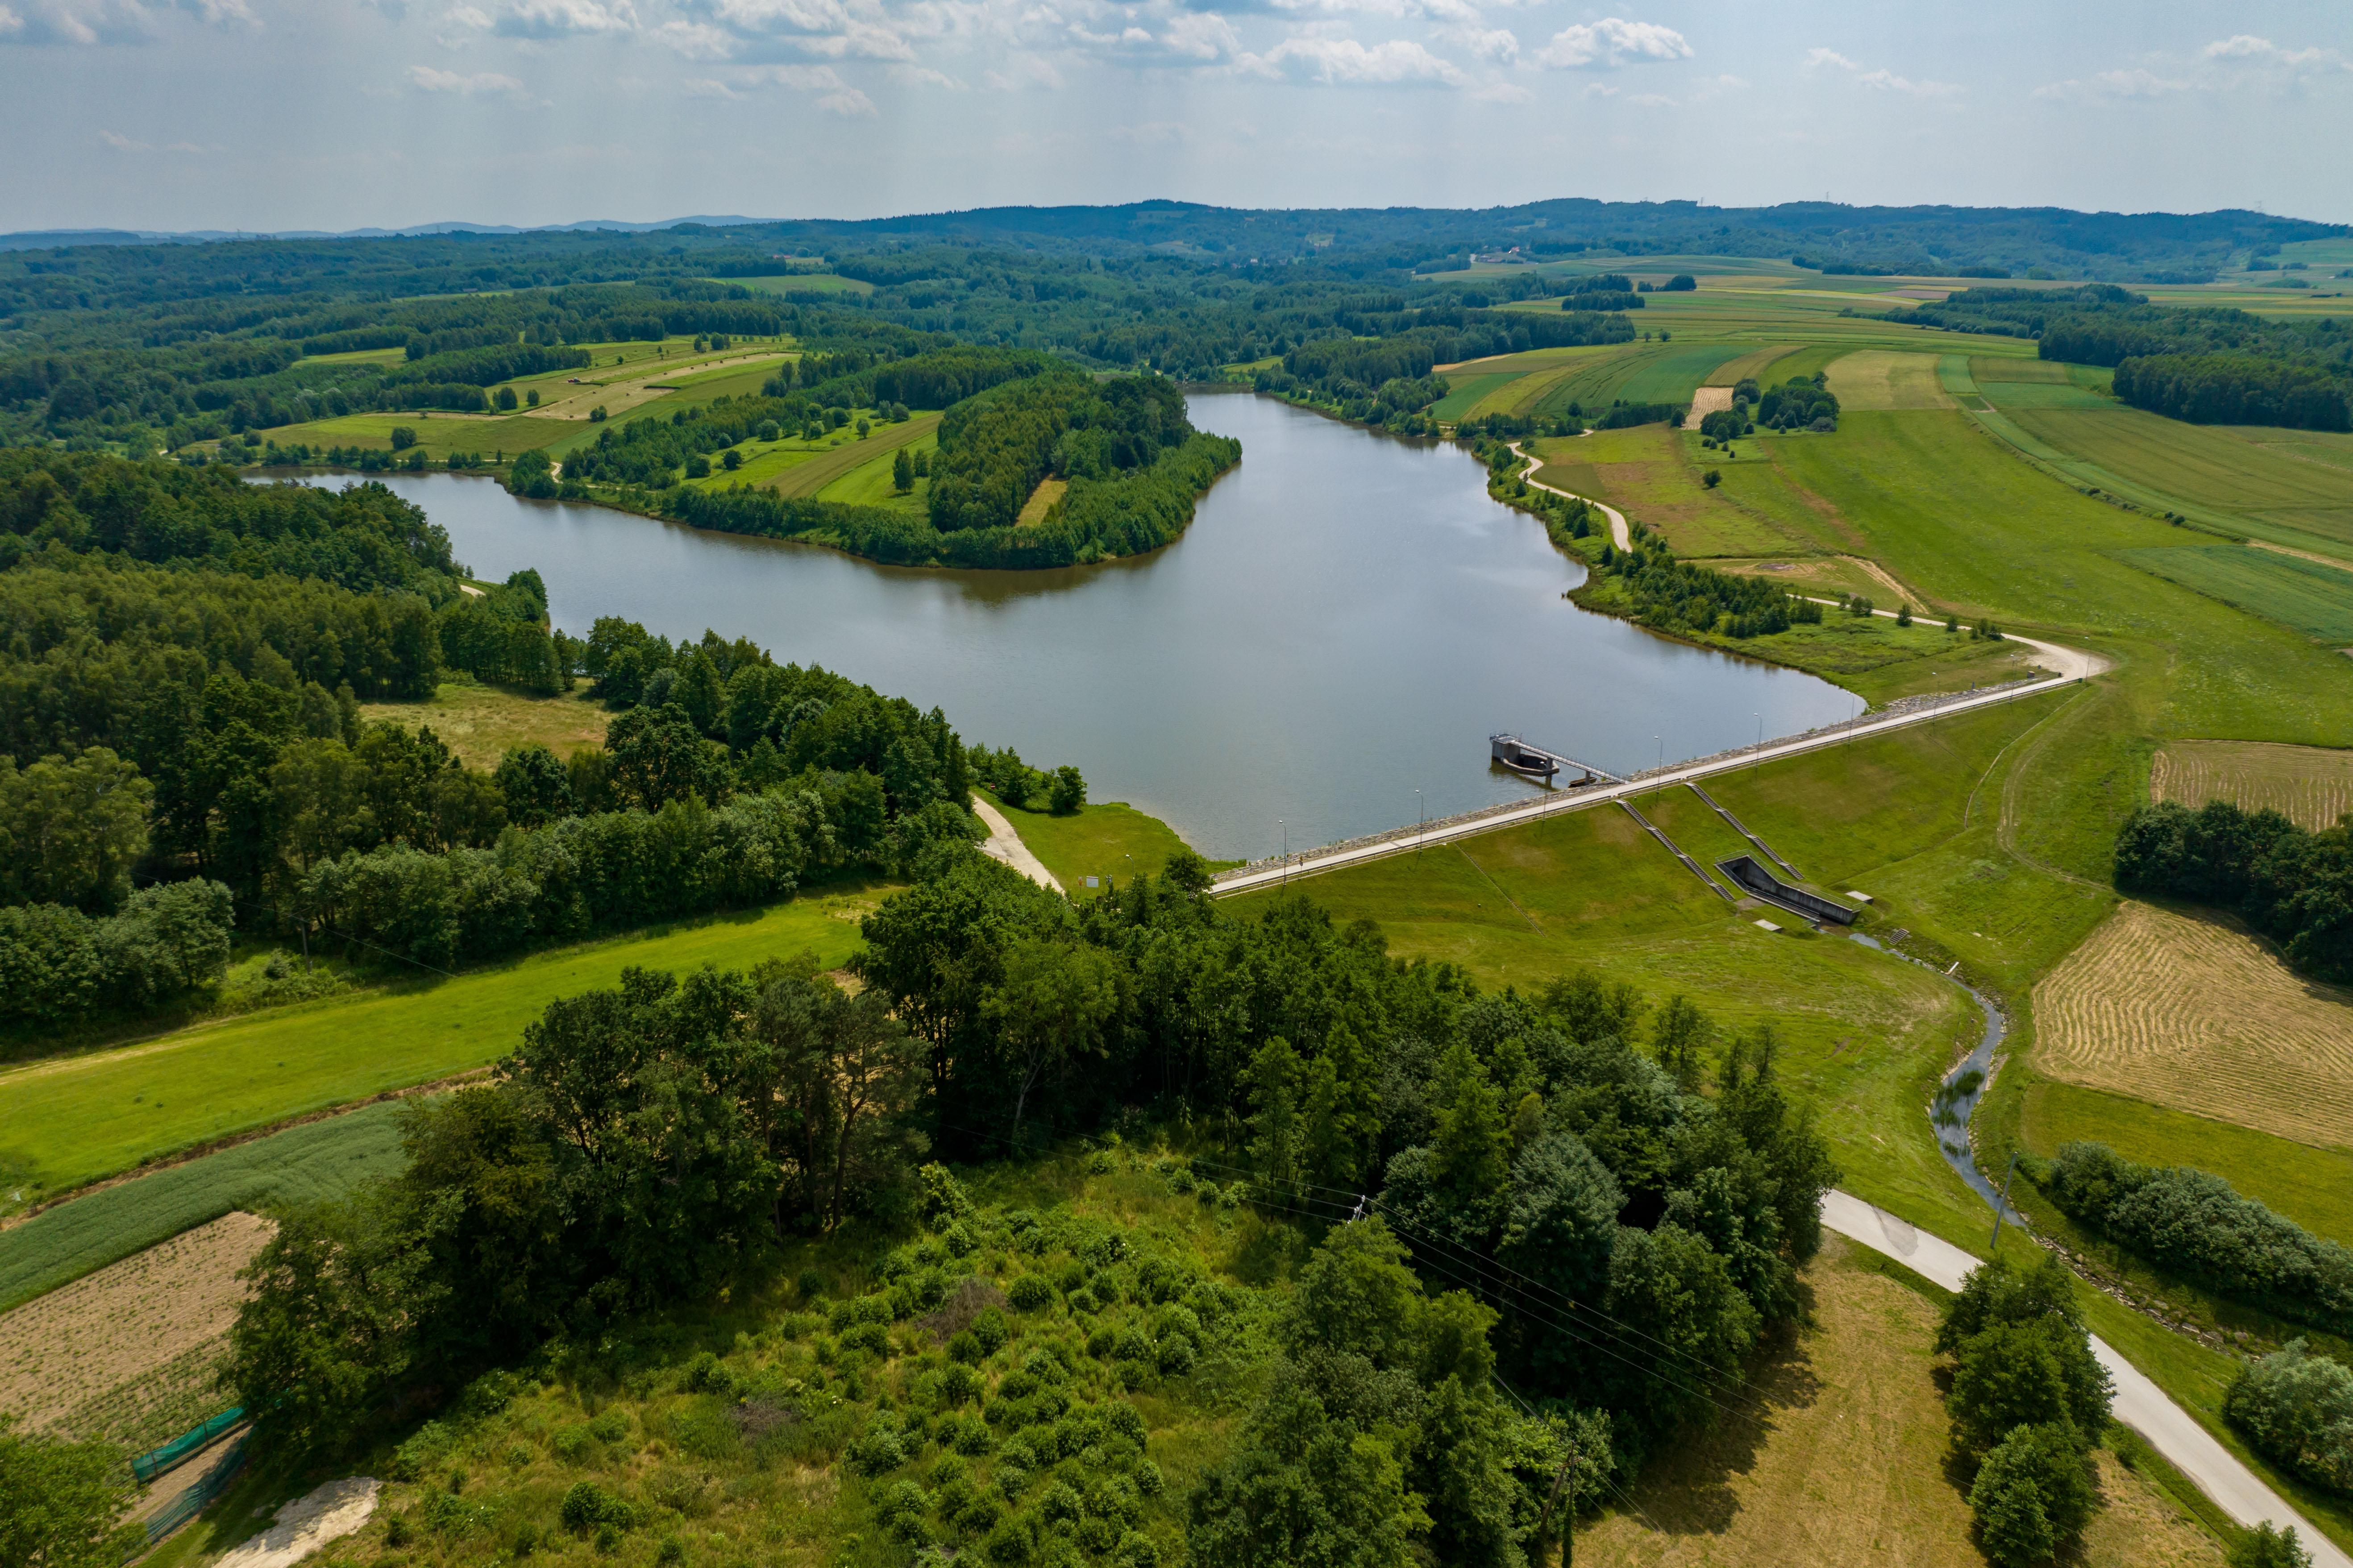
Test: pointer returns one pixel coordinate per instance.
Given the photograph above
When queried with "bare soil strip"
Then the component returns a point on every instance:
(136, 1334)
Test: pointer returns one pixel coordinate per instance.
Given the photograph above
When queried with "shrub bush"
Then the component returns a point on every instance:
(2297, 1408)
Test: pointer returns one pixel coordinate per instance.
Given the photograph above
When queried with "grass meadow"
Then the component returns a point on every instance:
(77, 1119)
(482, 723)
(1107, 841)
(2300, 594)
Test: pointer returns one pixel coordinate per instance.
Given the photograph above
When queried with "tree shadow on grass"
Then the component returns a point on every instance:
(1688, 1490)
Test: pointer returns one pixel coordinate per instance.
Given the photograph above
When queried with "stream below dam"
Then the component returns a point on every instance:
(1324, 654)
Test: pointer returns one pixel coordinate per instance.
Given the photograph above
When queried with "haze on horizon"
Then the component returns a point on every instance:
(270, 114)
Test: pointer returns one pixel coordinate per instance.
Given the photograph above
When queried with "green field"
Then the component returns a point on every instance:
(1109, 840)
(303, 1164)
(1464, 392)
(75, 1119)
(2313, 599)
(792, 467)
(871, 483)
(802, 283)
(2312, 1186)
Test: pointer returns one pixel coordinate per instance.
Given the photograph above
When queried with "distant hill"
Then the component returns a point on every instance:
(2056, 242)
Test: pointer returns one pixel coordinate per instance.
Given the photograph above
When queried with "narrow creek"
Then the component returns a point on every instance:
(1960, 1090)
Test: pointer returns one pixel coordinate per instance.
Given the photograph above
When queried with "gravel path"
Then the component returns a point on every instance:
(1619, 533)
(1004, 844)
(2139, 1403)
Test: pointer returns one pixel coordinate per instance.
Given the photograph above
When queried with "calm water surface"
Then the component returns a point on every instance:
(1346, 621)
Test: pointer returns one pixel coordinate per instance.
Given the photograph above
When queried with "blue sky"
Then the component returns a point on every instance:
(340, 113)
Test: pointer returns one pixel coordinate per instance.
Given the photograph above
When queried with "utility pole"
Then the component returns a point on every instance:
(1568, 1517)
(1286, 850)
(2003, 1207)
(1421, 815)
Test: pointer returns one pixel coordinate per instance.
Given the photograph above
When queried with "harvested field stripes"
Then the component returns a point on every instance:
(1752, 365)
(1876, 379)
(126, 1353)
(2312, 786)
(2197, 1015)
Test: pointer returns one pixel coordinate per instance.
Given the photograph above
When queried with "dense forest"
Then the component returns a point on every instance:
(2211, 366)
(182, 753)
(1579, 1212)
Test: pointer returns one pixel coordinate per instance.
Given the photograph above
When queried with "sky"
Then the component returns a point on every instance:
(335, 114)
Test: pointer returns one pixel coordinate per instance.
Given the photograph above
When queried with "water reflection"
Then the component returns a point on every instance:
(1346, 621)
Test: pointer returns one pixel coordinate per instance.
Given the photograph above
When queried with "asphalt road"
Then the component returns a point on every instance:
(2139, 1403)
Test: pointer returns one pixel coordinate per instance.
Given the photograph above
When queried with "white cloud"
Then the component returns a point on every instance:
(88, 22)
(695, 40)
(1880, 81)
(566, 18)
(2247, 48)
(923, 75)
(2134, 83)
(431, 78)
(1338, 62)
(1612, 41)
(1651, 100)
(706, 86)
(834, 95)
(1496, 44)
(2240, 62)
(1502, 92)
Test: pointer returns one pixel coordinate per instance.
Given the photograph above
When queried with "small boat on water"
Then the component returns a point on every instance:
(1522, 758)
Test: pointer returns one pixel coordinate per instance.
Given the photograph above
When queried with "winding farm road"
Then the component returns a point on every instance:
(2139, 1403)
(1620, 535)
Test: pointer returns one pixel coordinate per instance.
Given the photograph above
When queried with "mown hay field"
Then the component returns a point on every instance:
(2196, 1015)
(127, 1355)
(1877, 379)
(1752, 365)
(1840, 1458)
(2312, 786)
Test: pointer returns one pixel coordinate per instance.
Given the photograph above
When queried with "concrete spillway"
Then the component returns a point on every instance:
(1759, 883)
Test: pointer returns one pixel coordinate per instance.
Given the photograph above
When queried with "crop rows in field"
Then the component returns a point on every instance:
(127, 1354)
(2312, 786)
(2302, 594)
(303, 1164)
(2197, 1015)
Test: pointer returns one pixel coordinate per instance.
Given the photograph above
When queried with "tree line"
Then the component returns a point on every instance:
(2207, 365)
(2294, 885)
(2196, 1226)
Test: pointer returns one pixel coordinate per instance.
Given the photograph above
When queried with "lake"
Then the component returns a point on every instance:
(1345, 622)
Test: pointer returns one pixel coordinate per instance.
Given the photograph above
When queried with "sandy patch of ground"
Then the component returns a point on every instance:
(2312, 786)
(95, 1356)
(328, 1513)
(2197, 1015)
(1707, 400)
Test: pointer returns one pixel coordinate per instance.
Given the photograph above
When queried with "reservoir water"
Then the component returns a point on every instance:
(1347, 620)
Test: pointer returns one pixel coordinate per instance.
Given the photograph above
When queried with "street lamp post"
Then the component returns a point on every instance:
(1286, 850)
(1421, 815)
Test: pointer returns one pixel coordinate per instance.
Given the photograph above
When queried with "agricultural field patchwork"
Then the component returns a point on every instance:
(2192, 1013)
(327, 1158)
(1654, 474)
(2312, 786)
(127, 1354)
